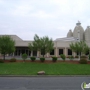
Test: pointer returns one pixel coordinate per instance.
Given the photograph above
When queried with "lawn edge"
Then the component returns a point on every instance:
(44, 75)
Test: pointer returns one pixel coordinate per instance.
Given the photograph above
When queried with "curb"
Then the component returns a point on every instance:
(44, 75)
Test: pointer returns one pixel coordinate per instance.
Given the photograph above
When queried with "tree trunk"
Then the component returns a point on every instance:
(24, 60)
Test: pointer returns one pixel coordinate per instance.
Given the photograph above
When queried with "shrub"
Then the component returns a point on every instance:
(1, 61)
(13, 60)
(54, 59)
(42, 59)
(63, 57)
(24, 56)
(33, 58)
(83, 61)
(71, 57)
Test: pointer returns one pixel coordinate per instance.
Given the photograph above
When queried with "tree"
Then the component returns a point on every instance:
(79, 47)
(36, 44)
(47, 45)
(7, 45)
(43, 44)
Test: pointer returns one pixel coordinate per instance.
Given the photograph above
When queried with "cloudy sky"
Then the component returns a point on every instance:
(52, 18)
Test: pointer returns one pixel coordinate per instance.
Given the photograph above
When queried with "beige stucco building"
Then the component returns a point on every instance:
(61, 45)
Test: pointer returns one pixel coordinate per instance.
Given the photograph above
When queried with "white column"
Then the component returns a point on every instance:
(65, 51)
(37, 53)
(74, 54)
(48, 54)
(31, 53)
(13, 53)
(56, 51)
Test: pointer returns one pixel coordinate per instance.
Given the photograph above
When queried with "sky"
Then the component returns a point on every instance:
(52, 18)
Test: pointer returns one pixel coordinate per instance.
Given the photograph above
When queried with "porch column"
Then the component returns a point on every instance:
(13, 54)
(65, 51)
(48, 54)
(31, 53)
(74, 54)
(38, 54)
(56, 50)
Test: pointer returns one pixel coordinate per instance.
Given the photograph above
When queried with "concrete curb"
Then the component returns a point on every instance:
(44, 75)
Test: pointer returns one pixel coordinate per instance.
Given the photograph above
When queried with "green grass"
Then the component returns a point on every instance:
(31, 68)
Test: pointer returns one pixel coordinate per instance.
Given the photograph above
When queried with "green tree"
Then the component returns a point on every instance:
(7, 45)
(47, 45)
(79, 47)
(36, 44)
(43, 44)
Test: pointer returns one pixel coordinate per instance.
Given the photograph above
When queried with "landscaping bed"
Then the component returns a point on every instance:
(48, 61)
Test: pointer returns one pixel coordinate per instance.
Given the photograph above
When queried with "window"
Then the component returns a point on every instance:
(60, 51)
(34, 53)
(52, 52)
(69, 52)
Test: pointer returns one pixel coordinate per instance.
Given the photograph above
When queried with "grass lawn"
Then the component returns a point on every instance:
(31, 68)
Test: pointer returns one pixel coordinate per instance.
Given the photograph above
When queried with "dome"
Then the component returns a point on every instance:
(78, 30)
(70, 34)
(87, 33)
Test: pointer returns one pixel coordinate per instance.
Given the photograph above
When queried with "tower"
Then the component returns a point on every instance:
(78, 31)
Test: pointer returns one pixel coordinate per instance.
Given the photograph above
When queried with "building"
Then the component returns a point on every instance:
(61, 45)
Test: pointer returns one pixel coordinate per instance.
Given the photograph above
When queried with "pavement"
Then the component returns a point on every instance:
(43, 82)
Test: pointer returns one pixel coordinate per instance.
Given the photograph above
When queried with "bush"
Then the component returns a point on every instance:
(13, 60)
(63, 57)
(83, 61)
(42, 59)
(24, 56)
(54, 59)
(71, 57)
(33, 58)
(1, 61)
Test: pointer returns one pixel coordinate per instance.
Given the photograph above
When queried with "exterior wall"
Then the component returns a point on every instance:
(87, 34)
